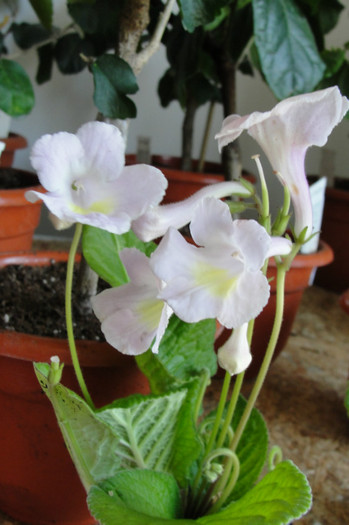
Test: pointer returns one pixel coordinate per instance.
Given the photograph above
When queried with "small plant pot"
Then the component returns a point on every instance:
(18, 217)
(297, 280)
(38, 482)
(12, 143)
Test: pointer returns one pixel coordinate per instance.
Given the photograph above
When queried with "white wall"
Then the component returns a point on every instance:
(65, 103)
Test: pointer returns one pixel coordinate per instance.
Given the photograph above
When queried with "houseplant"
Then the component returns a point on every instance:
(284, 41)
(158, 458)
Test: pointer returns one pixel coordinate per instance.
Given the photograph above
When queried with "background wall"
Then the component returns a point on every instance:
(65, 103)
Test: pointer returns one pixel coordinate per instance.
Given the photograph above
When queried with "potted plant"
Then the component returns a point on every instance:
(181, 463)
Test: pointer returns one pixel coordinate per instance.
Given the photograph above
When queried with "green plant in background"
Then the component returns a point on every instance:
(282, 39)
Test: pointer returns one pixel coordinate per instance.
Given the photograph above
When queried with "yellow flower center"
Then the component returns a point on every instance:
(149, 312)
(217, 280)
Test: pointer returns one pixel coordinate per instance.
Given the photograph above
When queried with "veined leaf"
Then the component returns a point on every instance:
(89, 440)
(145, 491)
(288, 54)
(151, 434)
(283, 495)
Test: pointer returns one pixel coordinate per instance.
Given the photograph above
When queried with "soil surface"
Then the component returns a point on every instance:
(12, 179)
(32, 301)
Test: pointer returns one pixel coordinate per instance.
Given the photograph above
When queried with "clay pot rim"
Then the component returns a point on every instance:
(16, 196)
(15, 141)
(40, 348)
(322, 257)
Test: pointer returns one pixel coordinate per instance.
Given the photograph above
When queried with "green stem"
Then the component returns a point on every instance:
(233, 471)
(69, 317)
(280, 287)
(231, 409)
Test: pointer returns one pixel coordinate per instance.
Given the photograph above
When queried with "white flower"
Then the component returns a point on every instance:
(132, 315)
(285, 133)
(221, 278)
(156, 220)
(87, 182)
(235, 356)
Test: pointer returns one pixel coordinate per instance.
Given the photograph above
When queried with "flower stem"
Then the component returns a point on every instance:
(69, 317)
(280, 288)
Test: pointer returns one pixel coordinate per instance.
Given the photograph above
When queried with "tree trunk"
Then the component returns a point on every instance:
(187, 133)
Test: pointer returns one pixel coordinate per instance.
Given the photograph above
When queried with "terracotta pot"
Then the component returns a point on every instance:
(344, 301)
(182, 183)
(335, 230)
(13, 142)
(38, 482)
(297, 281)
(18, 217)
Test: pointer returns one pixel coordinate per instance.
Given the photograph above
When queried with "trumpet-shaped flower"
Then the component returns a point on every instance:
(221, 277)
(156, 221)
(87, 182)
(235, 356)
(131, 314)
(285, 133)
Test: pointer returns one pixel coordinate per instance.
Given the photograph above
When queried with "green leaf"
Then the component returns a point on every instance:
(110, 510)
(44, 11)
(68, 50)
(289, 57)
(145, 491)
(89, 440)
(252, 448)
(28, 35)
(283, 495)
(16, 92)
(113, 80)
(101, 250)
(45, 56)
(199, 12)
(186, 350)
(150, 429)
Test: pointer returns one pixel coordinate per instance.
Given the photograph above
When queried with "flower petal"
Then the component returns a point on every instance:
(104, 148)
(235, 356)
(156, 221)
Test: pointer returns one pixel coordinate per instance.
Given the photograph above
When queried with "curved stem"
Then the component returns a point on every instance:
(69, 317)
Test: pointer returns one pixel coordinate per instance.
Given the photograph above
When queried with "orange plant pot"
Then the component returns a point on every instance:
(182, 184)
(38, 482)
(297, 280)
(12, 143)
(18, 217)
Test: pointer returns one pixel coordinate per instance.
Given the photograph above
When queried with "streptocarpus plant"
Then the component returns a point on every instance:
(160, 459)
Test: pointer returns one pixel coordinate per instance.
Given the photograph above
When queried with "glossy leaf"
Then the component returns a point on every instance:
(113, 80)
(288, 54)
(68, 50)
(28, 35)
(199, 12)
(16, 91)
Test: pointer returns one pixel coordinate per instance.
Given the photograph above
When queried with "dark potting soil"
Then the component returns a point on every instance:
(13, 178)
(32, 301)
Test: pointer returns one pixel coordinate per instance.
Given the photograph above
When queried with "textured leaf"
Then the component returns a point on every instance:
(145, 491)
(151, 431)
(199, 12)
(283, 495)
(16, 92)
(101, 250)
(288, 54)
(89, 440)
(110, 510)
